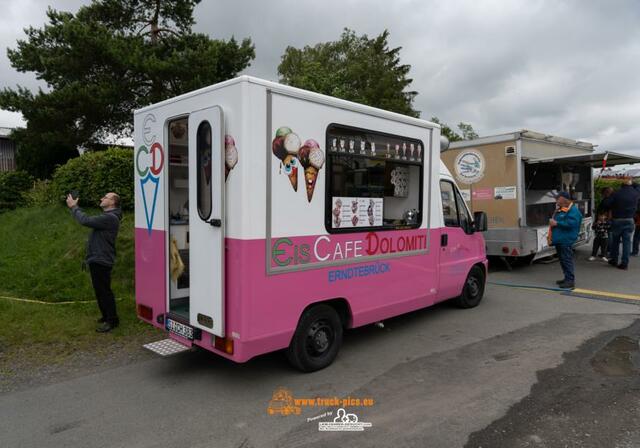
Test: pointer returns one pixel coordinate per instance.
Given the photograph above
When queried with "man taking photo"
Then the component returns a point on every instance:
(101, 253)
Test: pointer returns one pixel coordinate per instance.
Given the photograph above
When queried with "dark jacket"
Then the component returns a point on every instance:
(101, 246)
(566, 232)
(623, 203)
(602, 229)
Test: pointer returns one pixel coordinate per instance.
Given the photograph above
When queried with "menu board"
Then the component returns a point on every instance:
(356, 212)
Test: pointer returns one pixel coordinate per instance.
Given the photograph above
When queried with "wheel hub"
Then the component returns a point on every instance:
(319, 338)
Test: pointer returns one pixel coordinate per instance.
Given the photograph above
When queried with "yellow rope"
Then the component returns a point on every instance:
(41, 302)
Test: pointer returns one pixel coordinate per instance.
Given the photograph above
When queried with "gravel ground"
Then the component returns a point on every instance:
(20, 369)
(591, 400)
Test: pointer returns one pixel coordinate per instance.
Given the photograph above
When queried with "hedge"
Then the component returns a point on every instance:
(96, 173)
(13, 185)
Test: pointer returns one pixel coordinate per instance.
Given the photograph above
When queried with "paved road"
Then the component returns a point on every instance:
(440, 377)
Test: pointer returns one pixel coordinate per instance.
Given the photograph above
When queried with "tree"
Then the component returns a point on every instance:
(354, 68)
(468, 133)
(109, 58)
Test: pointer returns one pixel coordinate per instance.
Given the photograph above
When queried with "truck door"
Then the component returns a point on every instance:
(456, 255)
(206, 220)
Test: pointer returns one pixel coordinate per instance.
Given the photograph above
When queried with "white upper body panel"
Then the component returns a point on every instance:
(247, 115)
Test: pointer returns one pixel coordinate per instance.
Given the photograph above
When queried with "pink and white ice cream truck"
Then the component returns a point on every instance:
(269, 217)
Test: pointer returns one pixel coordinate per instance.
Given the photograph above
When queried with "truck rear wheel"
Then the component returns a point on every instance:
(473, 289)
(317, 339)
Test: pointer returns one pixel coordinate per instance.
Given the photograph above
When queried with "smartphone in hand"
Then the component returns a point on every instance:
(74, 194)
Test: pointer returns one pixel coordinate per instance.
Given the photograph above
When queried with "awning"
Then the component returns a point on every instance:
(593, 160)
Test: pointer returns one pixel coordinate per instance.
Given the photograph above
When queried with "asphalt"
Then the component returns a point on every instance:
(440, 377)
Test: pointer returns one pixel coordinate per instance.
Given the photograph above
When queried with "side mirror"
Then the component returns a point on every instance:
(480, 221)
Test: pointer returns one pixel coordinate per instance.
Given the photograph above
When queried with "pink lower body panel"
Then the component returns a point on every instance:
(263, 308)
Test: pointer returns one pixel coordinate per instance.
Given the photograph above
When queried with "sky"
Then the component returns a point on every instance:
(569, 68)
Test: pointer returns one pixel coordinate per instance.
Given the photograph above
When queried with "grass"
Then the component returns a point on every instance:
(41, 253)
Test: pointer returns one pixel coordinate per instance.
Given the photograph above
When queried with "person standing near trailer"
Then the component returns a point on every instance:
(623, 205)
(564, 228)
(635, 244)
(101, 253)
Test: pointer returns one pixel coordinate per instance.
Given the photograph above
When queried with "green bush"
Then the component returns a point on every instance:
(12, 186)
(41, 194)
(96, 173)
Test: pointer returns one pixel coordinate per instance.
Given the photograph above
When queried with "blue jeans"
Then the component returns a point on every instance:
(565, 254)
(622, 230)
(636, 241)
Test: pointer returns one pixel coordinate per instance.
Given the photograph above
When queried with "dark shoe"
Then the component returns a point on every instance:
(634, 254)
(105, 327)
(567, 285)
(559, 281)
(613, 262)
(624, 267)
(100, 321)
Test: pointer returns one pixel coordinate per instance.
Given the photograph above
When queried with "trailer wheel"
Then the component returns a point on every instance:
(317, 339)
(473, 289)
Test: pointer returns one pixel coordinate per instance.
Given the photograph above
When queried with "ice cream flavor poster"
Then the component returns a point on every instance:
(356, 212)
(295, 155)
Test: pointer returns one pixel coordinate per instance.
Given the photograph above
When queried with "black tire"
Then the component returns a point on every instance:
(317, 339)
(473, 289)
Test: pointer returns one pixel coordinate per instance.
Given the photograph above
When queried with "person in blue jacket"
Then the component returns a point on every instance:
(564, 226)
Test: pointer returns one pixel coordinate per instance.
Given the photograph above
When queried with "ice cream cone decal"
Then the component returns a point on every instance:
(285, 147)
(230, 155)
(311, 158)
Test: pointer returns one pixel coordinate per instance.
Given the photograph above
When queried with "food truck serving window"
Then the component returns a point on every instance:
(374, 180)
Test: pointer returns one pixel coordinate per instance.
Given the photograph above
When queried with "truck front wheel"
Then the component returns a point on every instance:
(473, 289)
(317, 339)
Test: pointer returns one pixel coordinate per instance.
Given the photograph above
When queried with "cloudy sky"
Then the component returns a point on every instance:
(564, 67)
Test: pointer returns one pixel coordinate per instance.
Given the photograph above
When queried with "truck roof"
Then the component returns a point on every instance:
(299, 93)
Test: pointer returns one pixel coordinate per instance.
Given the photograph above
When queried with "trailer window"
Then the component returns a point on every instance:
(374, 180)
(203, 146)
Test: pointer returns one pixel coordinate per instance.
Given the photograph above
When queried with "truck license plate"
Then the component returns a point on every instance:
(180, 329)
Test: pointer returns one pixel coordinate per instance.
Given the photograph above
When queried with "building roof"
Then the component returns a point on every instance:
(524, 134)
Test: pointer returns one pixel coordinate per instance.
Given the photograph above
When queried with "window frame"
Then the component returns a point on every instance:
(459, 206)
(455, 203)
(199, 171)
(328, 198)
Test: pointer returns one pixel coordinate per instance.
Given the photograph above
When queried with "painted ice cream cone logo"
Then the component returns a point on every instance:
(397, 151)
(149, 162)
(334, 148)
(311, 158)
(285, 147)
(230, 155)
(352, 145)
(404, 151)
(362, 147)
(419, 152)
(342, 148)
(412, 148)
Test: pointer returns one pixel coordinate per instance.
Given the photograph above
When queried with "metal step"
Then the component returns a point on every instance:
(166, 347)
